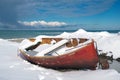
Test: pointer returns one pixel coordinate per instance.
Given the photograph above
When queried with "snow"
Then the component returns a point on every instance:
(105, 41)
(54, 48)
(49, 49)
(26, 43)
(12, 67)
(108, 42)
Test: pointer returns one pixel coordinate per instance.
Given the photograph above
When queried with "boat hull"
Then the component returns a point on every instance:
(83, 58)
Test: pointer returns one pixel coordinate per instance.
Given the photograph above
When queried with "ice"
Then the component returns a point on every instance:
(12, 67)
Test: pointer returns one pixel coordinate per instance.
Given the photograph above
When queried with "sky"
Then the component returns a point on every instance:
(60, 14)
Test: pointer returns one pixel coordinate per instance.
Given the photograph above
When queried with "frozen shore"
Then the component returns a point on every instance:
(12, 67)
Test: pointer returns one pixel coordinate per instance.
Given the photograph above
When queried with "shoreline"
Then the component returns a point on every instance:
(18, 40)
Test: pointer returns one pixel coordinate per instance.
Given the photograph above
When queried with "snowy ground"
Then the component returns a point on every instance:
(12, 67)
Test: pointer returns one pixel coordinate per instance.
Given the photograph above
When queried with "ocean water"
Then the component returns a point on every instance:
(11, 34)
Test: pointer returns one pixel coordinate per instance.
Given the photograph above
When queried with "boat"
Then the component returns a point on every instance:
(60, 53)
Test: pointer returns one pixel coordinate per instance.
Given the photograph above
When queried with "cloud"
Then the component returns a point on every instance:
(43, 23)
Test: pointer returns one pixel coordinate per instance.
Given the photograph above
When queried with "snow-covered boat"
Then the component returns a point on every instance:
(60, 53)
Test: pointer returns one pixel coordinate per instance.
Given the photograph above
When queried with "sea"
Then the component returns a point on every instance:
(13, 34)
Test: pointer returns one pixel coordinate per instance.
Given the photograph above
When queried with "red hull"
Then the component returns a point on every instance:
(83, 58)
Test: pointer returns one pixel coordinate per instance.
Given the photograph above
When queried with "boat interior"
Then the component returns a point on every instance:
(55, 46)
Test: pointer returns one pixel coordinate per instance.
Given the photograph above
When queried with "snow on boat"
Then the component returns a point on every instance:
(60, 53)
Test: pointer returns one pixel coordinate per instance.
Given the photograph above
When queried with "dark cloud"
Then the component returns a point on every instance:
(8, 13)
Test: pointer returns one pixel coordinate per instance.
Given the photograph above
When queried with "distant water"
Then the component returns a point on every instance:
(11, 34)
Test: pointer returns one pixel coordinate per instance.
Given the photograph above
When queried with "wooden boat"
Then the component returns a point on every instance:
(61, 53)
